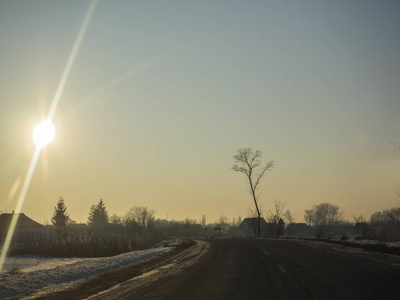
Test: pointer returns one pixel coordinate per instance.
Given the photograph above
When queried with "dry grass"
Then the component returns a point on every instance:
(94, 246)
(393, 236)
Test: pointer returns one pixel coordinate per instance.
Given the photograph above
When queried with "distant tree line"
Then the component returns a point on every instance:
(323, 220)
(137, 222)
(327, 220)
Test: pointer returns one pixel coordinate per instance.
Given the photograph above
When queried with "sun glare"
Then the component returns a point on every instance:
(43, 133)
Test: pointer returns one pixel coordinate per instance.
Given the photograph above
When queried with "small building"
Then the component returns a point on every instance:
(78, 228)
(26, 229)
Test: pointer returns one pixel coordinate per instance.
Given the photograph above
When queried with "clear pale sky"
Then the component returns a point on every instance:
(163, 93)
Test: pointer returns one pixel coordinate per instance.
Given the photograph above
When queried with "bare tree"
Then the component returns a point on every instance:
(276, 216)
(389, 219)
(248, 162)
(394, 216)
(288, 216)
(116, 220)
(142, 216)
(321, 215)
(223, 220)
(277, 212)
(363, 228)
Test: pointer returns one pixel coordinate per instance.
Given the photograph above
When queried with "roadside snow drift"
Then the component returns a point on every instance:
(24, 275)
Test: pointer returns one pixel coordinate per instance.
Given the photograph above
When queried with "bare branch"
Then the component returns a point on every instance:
(240, 169)
(268, 167)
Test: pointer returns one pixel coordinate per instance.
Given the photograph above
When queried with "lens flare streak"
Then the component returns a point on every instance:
(20, 202)
(52, 110)
(71, 60)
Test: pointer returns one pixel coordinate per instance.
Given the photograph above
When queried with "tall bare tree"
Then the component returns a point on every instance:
(248, 162)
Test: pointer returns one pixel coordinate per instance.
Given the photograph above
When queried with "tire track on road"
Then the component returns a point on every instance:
(168, 267)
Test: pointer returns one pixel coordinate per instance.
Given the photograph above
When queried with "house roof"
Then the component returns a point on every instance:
(23, 222)
(251, 222)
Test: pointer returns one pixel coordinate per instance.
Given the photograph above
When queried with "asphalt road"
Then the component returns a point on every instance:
(280, 269)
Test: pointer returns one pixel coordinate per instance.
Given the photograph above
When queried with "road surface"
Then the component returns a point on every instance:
(275, 269)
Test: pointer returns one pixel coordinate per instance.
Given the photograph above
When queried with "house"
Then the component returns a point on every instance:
(248, 228)
(26, 229)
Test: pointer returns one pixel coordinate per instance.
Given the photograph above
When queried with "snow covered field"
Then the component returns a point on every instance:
(24, 275)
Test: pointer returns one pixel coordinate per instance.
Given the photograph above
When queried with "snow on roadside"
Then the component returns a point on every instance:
(361, 242)
(30, 263)
(34, 273)
(373, 242)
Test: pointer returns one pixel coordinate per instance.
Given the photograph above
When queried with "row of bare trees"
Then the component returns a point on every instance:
(383, 225)
(320, 217)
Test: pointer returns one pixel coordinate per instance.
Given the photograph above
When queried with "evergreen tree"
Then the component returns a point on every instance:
(98, 215)
(60, 217)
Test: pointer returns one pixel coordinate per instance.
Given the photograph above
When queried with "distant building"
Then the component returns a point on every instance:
(248, 228)
(203, 221)
(26, 229)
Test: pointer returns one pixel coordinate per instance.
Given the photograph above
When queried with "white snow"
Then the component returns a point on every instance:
(364, 242)
(24, 275)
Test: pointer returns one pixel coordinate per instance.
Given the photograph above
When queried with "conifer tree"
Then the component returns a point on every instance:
(98, 215)
(60, 217)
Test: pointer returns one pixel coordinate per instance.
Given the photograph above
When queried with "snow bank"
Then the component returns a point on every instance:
(392, 246)
(26, 274)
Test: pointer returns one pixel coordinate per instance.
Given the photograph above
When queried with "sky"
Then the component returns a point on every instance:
(163, 93)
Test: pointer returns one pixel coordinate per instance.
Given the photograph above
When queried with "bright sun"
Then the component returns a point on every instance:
(43, 133)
